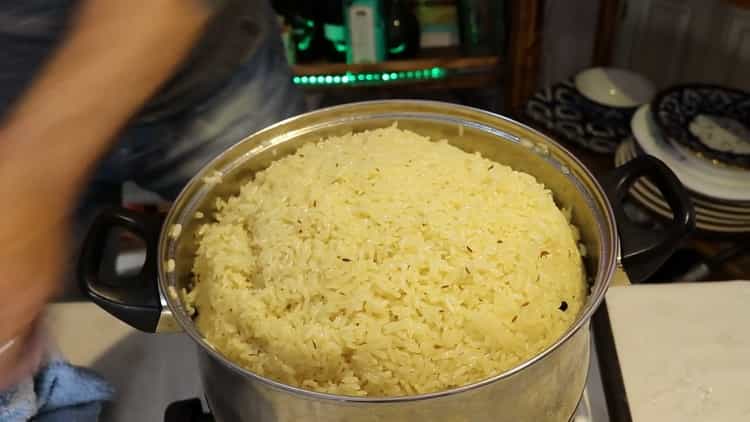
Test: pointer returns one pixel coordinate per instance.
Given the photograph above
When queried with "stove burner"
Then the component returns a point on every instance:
(191, 410)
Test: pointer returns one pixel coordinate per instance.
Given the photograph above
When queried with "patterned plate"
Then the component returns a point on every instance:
(732, 210)
(647, 195)
(561, 109)
(711, 120)
(699, 176)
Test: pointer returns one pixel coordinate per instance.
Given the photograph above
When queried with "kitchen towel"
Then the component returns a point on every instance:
(58, 392)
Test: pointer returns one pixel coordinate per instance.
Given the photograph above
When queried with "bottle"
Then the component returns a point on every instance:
(334, 37)
(470, 28)
(402, 29)
(366, 31)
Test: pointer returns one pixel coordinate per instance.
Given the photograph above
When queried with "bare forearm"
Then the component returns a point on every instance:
(116, 56)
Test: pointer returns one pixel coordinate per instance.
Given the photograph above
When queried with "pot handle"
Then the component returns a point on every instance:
(643, 251)
(134, 300)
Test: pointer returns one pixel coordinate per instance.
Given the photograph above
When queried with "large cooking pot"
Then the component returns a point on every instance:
(546, 387)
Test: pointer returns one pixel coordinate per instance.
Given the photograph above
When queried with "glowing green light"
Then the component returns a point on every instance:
(304, 43)
(353, 77)
(398, 49)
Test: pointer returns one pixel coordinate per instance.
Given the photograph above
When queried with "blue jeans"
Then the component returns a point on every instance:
(163, 156)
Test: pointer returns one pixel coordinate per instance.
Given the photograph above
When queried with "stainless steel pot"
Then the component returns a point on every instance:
(547, 387)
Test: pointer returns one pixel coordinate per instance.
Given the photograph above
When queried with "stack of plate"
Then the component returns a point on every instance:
(720, 190)
(593, 109)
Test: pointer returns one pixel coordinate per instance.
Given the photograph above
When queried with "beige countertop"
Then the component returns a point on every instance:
(684, 351)
(148, 370)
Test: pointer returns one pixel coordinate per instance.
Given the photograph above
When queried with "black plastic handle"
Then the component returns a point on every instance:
(135, 300)
(643, 251)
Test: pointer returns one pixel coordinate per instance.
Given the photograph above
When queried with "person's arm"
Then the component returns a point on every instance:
(115, 57)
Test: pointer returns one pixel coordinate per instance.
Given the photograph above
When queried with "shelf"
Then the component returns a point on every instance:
(486, 63)
(428, 72)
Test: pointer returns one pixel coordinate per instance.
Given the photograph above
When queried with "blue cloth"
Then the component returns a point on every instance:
(59, 392)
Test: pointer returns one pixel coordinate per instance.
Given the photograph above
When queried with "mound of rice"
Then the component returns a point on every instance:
(384, 264)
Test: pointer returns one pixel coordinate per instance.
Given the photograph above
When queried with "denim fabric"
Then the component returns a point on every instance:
(160, 155)
(164, 155)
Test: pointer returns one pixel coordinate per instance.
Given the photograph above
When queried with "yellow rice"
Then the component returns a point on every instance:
(382, 263)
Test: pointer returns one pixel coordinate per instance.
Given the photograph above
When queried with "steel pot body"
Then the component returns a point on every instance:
(546, 387)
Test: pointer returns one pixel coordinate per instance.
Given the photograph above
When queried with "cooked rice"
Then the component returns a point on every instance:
(384, 264)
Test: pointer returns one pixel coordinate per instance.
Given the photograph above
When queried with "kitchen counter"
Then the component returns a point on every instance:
(149, 371)
(679, 352)
(683, 350)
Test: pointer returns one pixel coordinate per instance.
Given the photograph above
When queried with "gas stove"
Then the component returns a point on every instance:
(191, 410)
(591, 408)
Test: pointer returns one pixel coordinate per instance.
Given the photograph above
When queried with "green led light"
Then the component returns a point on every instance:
(398, 49)
(387, 77)
(304, 43)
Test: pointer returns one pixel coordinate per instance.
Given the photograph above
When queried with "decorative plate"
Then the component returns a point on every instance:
(699, 176)
(563, 111)
(726, 210)
(653, 201)
(711, 120)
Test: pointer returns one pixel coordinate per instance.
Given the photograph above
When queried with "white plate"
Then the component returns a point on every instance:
(705, 213)
(737, 210)
(614, 87)
(625, 153)
(701, 211)
(726, 184)
(700, 216)
(702, 225)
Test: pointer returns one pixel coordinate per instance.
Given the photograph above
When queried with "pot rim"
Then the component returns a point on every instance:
(605, 271)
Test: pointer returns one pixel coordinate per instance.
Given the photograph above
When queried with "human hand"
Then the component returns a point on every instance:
(33, 244)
